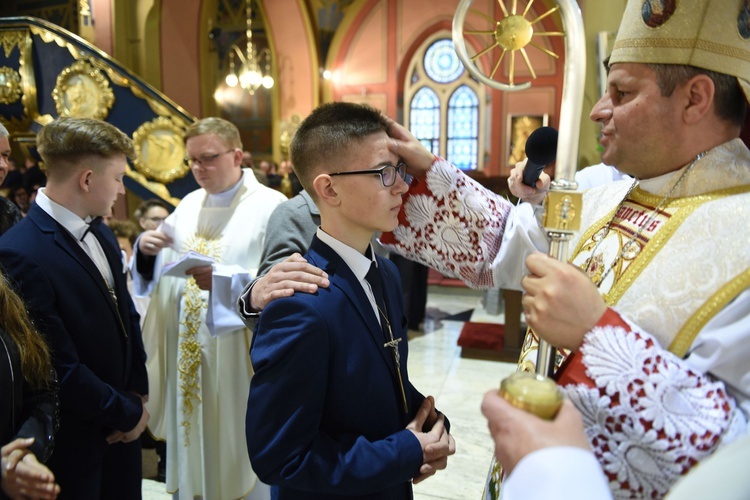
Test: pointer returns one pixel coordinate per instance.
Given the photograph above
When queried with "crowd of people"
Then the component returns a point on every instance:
(254, 310)
(19, 184)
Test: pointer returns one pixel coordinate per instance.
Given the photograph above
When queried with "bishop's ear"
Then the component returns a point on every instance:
(700, 91)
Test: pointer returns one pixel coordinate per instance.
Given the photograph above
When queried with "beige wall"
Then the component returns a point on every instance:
(290, 30)
(597, 16)
(103, 28)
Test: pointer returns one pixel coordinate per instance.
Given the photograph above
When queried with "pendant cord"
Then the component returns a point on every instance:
(590, 262)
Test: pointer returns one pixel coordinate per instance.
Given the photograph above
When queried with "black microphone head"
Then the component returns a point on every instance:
(541, 146)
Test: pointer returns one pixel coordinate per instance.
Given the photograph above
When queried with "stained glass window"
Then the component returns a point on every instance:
(463, 128)
(444, 105)
(424, 120)
(441, 62)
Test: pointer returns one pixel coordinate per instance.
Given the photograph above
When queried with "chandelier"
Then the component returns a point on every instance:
(255, 66)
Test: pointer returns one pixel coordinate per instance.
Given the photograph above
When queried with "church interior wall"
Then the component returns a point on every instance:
(167, 43)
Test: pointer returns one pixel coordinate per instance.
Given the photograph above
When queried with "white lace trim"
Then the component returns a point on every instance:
(649, 418)
(455, 227)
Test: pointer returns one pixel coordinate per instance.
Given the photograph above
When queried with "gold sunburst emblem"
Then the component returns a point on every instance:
(510, 32)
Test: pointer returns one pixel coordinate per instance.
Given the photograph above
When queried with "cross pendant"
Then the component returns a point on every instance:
(393, 344)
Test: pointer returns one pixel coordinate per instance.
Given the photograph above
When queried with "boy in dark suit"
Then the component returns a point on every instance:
(331, 412)
(69, 271)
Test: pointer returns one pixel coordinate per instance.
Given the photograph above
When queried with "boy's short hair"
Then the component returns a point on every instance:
(147, 205)
(66, 141)
(326, 135)
(226, 130)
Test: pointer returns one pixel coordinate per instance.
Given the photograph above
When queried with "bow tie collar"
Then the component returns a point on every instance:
(93, 225)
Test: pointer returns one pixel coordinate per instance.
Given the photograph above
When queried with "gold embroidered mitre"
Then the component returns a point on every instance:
(707, 34)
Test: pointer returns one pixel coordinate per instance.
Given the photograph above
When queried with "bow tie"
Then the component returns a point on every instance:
(92, 226)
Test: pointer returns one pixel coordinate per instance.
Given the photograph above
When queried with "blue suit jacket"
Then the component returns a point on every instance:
(325, 417)
(96, 344)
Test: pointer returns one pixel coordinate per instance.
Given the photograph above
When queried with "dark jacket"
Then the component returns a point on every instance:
(95, 341)
(25, 412)
(325, 418)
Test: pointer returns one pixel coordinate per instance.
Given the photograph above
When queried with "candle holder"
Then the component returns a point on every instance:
(533, 393)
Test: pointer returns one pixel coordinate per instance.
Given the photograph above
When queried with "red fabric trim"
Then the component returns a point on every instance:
(572, 371)
(612, 318)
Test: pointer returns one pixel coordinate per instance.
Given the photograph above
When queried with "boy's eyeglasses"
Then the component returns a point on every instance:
(387, 173)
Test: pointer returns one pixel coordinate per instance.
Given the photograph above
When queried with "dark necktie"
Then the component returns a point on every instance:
(373, 278)
(92, 227)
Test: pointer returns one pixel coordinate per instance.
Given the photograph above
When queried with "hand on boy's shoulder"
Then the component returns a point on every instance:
(293, 274)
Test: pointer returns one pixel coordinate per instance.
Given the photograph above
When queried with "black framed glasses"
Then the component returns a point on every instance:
(204, 160)
(387, 173)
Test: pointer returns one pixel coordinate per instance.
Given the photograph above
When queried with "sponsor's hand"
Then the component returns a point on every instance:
(23, 476)
(293, 274)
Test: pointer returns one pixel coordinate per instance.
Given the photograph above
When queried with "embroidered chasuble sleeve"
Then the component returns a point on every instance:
(722, 348)
(454, 225)
(649, 416)
(679, 410)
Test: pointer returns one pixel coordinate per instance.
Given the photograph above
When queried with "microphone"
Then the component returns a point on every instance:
(541, 149)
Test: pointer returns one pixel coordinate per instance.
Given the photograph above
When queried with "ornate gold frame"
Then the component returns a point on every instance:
(160, 150)
(21, 38)
(10, 85)
(517, 130)
(83, 91)
(117, 77)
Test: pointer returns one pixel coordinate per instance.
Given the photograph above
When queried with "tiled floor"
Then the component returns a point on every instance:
(458, 384)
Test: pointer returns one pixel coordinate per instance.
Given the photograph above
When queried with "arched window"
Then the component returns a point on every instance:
(424, 121)
(463, 128)
(445, 105)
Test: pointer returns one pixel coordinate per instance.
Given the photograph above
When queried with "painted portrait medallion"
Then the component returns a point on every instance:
(743, 20)
(160, 150)
(10, 85)
(83, 91)
(657, 12)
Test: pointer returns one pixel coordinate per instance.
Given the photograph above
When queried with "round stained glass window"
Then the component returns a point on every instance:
(441, 62)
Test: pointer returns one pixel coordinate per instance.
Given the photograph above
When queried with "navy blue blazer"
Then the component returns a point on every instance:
(96, 343)
(324, 414)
